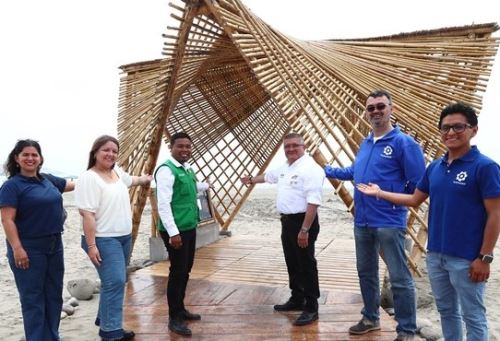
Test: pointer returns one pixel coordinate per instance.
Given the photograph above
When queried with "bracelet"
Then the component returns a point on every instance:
(377, 194)
(91, 246)
(250, 179)
(304, 230)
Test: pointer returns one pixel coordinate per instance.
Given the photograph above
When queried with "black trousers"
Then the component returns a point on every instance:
(181, 262)
(301, 262)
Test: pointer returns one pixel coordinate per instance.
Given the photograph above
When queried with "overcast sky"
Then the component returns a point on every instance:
(60, 58)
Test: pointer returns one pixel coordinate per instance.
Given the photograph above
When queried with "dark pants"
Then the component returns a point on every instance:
(181, 262)
(40, 286)
(300, 262)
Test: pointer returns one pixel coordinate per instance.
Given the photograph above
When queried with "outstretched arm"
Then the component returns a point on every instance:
(346, 173)
(412, 200)
(250, 180)
(141, 180)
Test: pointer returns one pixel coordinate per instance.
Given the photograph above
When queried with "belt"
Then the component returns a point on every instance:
(292, 214)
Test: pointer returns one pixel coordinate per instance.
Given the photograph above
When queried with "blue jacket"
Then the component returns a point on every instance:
(395, 163)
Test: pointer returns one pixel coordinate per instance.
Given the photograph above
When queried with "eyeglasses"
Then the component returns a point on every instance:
(292, 145)
(378, 106)
(457, 128)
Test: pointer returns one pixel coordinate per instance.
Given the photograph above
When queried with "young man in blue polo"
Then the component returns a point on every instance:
(464, 223)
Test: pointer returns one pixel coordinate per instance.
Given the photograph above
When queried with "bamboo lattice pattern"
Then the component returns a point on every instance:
(237, 86)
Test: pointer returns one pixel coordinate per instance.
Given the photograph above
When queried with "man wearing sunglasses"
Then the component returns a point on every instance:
(395, 161)
(464, 223)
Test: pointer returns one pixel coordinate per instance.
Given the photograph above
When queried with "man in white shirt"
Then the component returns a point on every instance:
(179, 215)
(300, 183)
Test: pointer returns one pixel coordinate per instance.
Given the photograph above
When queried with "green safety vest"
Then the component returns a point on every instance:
(184, 202)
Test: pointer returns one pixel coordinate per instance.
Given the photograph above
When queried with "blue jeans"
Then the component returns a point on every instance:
(115, 253)
(40, 286)
(457, 297)
(369, 241)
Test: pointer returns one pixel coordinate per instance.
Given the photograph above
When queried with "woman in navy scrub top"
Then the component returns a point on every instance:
(31, 207)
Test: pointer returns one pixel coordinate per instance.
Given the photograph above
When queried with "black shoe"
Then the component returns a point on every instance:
(188, 316)
(306, 318)
(289, 306)
(127, 335)
(178, 327)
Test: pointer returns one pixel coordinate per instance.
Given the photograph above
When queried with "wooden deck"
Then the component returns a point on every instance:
(234, 284)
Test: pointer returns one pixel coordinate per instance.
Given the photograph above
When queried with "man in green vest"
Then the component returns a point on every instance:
(176, 190)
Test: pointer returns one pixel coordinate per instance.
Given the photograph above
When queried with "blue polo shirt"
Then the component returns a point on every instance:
(38, 204)
(396, 163)
(457, 216)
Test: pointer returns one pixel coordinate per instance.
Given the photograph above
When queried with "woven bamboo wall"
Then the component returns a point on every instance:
(237, 87)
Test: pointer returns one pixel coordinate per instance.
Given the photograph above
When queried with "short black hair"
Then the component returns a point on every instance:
(459, 108)
(380, 93)
(179, 135)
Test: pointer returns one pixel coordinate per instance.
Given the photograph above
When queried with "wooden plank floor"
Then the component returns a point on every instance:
(234, 284)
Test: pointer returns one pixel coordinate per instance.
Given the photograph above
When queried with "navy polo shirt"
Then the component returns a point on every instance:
(38, 204)
(457, 216)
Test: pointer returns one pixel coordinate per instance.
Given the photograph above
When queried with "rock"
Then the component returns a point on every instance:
(386, 300)
(390, 311)
(73, 302)
(147, 262)
(422, 322)
(82, 289)
(68, 309)
(97, 288)
(63, 315)
(132, 268)
(431, 333)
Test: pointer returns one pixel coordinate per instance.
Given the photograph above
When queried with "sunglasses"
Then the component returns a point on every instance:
(457, 128)
(378, 106)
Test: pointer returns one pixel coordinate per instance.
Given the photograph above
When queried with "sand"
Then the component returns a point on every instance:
(257, 216)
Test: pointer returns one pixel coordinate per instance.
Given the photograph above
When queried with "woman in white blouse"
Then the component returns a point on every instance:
(103, 201)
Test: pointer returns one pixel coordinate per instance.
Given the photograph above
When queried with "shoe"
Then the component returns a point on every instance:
(188, 316)
(178, 327)
(127, 335)
(364, 326)
(289, 306)
(405, 337)
(306, 318)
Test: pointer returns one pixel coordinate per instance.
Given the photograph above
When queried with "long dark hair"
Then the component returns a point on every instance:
(11, 167)
(98, 143)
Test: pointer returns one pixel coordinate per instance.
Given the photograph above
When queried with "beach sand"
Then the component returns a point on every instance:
(257, 216)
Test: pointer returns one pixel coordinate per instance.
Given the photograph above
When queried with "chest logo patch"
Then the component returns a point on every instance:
(461, 176)
(387, 152)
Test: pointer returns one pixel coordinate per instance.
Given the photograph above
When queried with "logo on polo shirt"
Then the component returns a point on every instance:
(387, 152)
(460, 179)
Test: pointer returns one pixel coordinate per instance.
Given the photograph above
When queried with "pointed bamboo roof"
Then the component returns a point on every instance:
(237, 86)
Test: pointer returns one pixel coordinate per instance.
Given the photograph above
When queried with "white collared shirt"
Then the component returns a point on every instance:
(164, 189)
(299, 184)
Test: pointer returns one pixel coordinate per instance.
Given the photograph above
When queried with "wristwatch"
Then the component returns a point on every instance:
(486, 258)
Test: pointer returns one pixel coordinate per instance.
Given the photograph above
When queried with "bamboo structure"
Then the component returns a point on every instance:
(237, 86)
